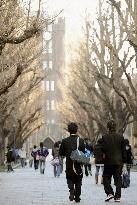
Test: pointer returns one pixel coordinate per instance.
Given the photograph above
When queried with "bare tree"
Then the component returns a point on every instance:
(21, 72)
(93, 71)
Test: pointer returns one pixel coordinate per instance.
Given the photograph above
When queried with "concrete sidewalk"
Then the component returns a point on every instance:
(26, 186)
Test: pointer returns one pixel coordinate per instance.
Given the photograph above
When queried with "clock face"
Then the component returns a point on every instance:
(47, 35)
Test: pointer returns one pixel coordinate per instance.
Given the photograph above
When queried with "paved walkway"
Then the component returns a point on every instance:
(26, 187)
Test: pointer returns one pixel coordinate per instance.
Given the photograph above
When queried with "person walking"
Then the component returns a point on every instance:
(61, 159)
(22, 155)
(114, 150)
(99, 161)
(74, 173)
(10, 159)
(43, 153)
(35, 156)
(17, 155)
(55, 153)
(88, 153)
(129, 156)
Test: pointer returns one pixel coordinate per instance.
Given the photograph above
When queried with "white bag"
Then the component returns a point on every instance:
(55, 161)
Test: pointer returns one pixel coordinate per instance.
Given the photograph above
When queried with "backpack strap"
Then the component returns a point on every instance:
(77, 143)
(75, 169)
(73, 162)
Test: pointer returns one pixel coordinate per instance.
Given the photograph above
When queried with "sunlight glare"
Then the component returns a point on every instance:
(73, 11)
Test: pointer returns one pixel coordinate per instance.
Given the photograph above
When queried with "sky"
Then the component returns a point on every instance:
(74, 13)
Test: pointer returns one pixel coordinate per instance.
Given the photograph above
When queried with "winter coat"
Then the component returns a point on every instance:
(22, 153)
(129, 154)
(55, 152)
(67, 146)
(98, 154)
(34, 153)
(17, 153)
(9, 156)
(43, 151)
(113, 147)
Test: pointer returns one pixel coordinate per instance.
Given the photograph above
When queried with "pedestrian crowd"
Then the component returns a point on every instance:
(111, 154)
(14, 156)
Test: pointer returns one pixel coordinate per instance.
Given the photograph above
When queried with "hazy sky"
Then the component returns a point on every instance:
(74, 12)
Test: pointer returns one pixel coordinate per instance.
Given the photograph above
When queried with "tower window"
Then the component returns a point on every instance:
(50, 64)
(48, 106)
(47, 85)
(52, 105)
(52, 85)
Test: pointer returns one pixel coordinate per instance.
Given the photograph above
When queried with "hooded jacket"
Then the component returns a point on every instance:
(22, 153)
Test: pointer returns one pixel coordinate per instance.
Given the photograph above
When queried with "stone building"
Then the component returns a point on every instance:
(53, 64)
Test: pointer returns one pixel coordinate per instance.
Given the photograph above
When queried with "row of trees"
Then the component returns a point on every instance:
(20, 71)
(102, 84)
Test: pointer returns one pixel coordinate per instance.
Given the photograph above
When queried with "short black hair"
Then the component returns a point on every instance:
(99, 141)
(126, 141)
(111, 125)
(56, 144)
(41, 144)
(35, 146)
(72, 128)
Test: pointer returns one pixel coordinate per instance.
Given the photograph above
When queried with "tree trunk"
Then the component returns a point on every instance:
(2, 145)
(134, 133)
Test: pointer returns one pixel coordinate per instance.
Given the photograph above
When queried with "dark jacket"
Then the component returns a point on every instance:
(55, 152)
(10, 156)
(113, 147)
(129, 154)
(98, 154)
(67, 146)
(43, 151)
(34, 153)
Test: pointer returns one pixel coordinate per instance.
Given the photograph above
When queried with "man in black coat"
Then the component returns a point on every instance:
(113, 147)
(74, 172)
(10, 158)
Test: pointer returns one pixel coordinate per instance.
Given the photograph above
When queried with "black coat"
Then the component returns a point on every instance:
(34, 153)
(9, 155)
(129, 154)
(113, 147)
(98, 154)
(67, 146)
